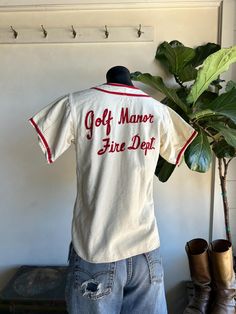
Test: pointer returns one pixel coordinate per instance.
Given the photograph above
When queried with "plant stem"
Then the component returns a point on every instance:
(206, 131)
(223, 167)
(179, 82)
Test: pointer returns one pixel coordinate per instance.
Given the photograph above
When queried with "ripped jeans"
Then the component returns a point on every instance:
(129, 286)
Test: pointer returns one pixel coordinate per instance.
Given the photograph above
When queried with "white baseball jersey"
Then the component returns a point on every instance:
(119, 132)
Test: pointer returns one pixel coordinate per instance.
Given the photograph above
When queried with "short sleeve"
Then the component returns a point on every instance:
(54, 126)
(175, 136)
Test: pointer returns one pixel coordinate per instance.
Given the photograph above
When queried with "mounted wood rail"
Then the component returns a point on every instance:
(76, 34)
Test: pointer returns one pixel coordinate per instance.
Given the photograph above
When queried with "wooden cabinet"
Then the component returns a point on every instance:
(35, 289)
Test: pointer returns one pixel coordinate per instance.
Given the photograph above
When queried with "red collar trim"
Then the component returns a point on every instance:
(119, 93)
(122, 85)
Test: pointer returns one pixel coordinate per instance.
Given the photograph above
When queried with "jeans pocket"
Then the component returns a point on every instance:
(154, 262)
(93, 280)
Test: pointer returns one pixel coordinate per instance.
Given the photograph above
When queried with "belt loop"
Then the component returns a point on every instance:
(70, 251)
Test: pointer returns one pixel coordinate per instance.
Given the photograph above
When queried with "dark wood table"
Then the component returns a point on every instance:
(35, 289)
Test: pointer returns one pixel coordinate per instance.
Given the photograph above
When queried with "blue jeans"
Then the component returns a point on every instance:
(129, 286)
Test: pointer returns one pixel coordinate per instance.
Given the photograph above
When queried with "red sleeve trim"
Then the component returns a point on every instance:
(44, 141)
(194, 134)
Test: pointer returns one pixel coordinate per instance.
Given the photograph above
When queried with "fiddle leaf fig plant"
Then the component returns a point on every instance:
(197, 96)
(212, 67)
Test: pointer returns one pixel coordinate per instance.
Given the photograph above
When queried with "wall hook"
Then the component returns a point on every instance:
(106, 32)
(73, 31)
(140, 31)
(14, 32)
(45, 33)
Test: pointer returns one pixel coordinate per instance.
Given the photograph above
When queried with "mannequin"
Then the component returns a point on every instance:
(119, 74)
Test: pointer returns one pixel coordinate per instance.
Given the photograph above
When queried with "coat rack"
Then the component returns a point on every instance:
(76, 34)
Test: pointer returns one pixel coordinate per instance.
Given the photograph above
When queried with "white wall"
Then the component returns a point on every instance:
(37, 199)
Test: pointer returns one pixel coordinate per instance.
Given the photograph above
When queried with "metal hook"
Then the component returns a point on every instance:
(106, 32)
(45, 33)
(14, 32)
(139, 31)
(73, 31)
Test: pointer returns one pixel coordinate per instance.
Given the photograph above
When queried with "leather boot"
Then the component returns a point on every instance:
(223, 277)
(197, 251)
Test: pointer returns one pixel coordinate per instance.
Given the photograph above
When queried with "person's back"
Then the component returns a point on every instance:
(117, 151)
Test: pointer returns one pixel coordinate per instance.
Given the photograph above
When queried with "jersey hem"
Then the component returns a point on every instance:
(116, 259)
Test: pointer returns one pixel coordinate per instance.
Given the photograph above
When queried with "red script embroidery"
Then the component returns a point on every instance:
(111, 146)
(134, 118)
(105, 120)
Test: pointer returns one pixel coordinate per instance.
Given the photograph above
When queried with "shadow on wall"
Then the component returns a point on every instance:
(178, 296)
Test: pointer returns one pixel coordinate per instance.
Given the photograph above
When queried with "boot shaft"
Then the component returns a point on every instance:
(213, 276)
(223, 277)
(197, 251)
(221, 263)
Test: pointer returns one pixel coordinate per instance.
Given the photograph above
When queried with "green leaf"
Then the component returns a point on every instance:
(198, 155)
(174, 56)
(202, 114)
(212, 67)
(167, 101)
(164, 169)
(230, 123)
(223, 149)
(223, 105)
(230, 85)
(157, 83)
(188, 73)
(202, 52)
(204, 100)
(228, 133)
